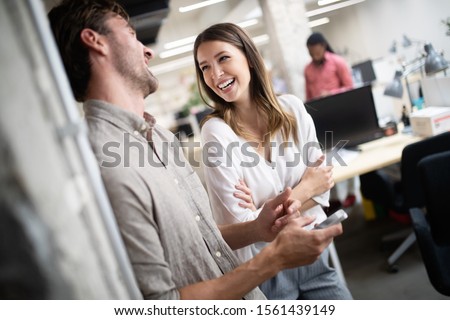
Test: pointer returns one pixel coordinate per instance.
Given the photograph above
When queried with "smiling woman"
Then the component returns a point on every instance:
(248, 119)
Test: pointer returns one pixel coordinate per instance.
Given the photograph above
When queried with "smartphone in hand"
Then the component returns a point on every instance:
(335, 218)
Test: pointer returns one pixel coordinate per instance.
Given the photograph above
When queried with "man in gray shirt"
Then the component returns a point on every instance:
(162, 209)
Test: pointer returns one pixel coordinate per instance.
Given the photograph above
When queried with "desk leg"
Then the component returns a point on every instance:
(336, 263)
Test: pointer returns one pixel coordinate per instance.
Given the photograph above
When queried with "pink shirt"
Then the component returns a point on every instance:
(331, 77)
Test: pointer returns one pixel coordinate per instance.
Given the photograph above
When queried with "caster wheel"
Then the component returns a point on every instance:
(393, 268)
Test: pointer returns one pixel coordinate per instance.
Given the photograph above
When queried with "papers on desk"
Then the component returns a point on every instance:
(341, 157)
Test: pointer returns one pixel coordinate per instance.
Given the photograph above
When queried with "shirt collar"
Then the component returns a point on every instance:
(327, 55)
(124, 119)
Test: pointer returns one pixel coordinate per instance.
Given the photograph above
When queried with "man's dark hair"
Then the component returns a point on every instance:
(67, 20)
(318, 38)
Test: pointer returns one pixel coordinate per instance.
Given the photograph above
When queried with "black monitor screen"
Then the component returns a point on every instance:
(364, 72)
(347, 116)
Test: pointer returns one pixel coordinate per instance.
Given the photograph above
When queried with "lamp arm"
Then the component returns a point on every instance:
(407, 71)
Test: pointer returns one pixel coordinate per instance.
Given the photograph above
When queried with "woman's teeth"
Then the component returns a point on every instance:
(226, 84)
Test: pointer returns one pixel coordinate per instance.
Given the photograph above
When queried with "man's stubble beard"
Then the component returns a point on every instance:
(153, 84)
(139, 79)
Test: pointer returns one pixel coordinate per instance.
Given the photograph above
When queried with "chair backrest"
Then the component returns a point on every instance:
(411, 155)
(434, 173)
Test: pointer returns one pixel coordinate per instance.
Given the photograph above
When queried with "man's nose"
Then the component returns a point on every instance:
(148, 53)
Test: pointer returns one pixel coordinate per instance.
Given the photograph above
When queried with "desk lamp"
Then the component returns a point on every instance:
(395, 88)
(434, 62)
(406, 42)
(393, 48)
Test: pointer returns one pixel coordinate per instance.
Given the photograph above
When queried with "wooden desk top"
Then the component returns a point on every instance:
(375, 155)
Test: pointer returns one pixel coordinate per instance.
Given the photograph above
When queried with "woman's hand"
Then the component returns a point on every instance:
(317, 178)
(245, 194)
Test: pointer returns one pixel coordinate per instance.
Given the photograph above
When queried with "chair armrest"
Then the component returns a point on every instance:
(422, 231)
(419, 220)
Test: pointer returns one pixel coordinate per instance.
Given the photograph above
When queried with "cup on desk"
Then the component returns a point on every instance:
(390, 128)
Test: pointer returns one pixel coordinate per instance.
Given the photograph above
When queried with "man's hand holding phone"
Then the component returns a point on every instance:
(335, 218)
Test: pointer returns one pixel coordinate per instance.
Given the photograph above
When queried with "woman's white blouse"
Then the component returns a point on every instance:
(228, 158)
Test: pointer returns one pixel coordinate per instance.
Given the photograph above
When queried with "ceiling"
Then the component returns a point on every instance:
(147, 17)
(179, 25)
(160, 21)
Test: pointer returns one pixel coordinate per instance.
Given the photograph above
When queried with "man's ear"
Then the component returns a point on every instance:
(93, 40)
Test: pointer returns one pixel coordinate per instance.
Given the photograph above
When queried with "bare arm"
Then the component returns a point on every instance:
(264, 228)
(294, 246)
(316, 180)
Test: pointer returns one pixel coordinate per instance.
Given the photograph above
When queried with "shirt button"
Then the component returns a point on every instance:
(218, 254)
(144, 127)
(197, 218)
(136, 133)
(176, 181)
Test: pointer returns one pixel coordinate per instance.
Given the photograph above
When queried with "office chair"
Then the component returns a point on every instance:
(431, 229)
(398, 196)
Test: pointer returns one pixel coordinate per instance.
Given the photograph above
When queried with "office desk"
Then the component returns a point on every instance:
(375, 155)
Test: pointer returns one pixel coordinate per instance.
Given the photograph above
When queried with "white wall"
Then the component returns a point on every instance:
(368, 29)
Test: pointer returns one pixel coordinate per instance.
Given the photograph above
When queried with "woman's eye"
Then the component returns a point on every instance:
(203, 68)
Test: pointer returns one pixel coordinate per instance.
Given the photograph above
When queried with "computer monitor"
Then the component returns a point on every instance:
(363, 72)
(347, 116)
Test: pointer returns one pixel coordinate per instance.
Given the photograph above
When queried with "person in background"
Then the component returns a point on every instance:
(328, 74)
(175, 248)
(257, 137)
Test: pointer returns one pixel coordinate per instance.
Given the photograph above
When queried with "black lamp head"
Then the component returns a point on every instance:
(434, 62)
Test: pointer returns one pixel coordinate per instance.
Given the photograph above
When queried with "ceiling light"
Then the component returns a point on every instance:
(189, 60)
(318, 22)
(199, 5)
(176, 51)
(189, 40)
(262, 39)
(247, 23)
(180, 42)
(326, 2)
(172, 65)
(333, 7)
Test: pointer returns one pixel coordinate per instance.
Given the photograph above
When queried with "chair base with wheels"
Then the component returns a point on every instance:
(405, 245)
(384, 191)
